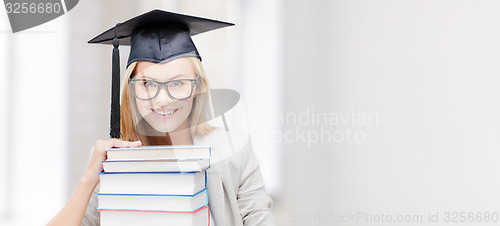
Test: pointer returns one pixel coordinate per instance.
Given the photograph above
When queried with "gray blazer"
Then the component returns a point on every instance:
(235, 187)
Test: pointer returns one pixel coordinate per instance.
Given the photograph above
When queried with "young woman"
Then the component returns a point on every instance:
(164, 101)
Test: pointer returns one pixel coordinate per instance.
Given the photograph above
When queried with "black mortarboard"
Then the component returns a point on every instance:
(156, 36)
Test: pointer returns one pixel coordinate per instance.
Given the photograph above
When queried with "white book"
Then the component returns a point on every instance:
(199, 217)
(147, 202)
(160, 183)
(156, 165)
(159, 152)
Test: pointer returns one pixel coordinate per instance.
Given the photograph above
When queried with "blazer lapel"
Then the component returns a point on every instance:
(216, 196)
(214, 185)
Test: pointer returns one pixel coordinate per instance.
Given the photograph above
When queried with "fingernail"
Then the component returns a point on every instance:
(137, 141)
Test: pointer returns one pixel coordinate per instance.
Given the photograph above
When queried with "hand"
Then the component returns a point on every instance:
(99, 155)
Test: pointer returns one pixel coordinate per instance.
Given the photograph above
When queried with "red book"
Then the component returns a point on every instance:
(198, 217)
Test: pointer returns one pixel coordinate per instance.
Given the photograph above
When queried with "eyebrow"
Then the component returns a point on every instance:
(173, 78)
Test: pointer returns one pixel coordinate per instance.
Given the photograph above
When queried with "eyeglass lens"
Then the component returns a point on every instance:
(148, 89)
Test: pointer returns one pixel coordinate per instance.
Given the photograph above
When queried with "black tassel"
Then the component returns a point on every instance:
(115, 91)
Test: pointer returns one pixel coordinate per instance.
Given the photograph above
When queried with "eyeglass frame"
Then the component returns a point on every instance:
(163, 84)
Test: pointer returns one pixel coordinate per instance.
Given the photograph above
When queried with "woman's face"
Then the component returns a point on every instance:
(163, 113)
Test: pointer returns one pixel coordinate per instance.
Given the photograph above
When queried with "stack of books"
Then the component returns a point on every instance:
(155, 185)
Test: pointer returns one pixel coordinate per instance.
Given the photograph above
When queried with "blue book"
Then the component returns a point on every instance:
(158, 183)
(156, 165)
(153, 202)
(159, 152)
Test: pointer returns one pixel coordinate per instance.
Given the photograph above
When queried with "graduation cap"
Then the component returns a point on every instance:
(156, 36)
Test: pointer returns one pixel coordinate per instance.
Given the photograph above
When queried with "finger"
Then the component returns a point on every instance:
(124, 144)
(135, 144)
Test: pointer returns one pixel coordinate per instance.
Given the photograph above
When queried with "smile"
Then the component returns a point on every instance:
(164, 113)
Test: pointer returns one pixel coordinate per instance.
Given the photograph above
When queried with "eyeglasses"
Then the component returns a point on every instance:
(147, 89)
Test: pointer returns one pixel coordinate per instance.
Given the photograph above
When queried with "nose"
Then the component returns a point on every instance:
(163, 97)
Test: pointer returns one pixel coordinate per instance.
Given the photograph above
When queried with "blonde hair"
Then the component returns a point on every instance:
(197, 115)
